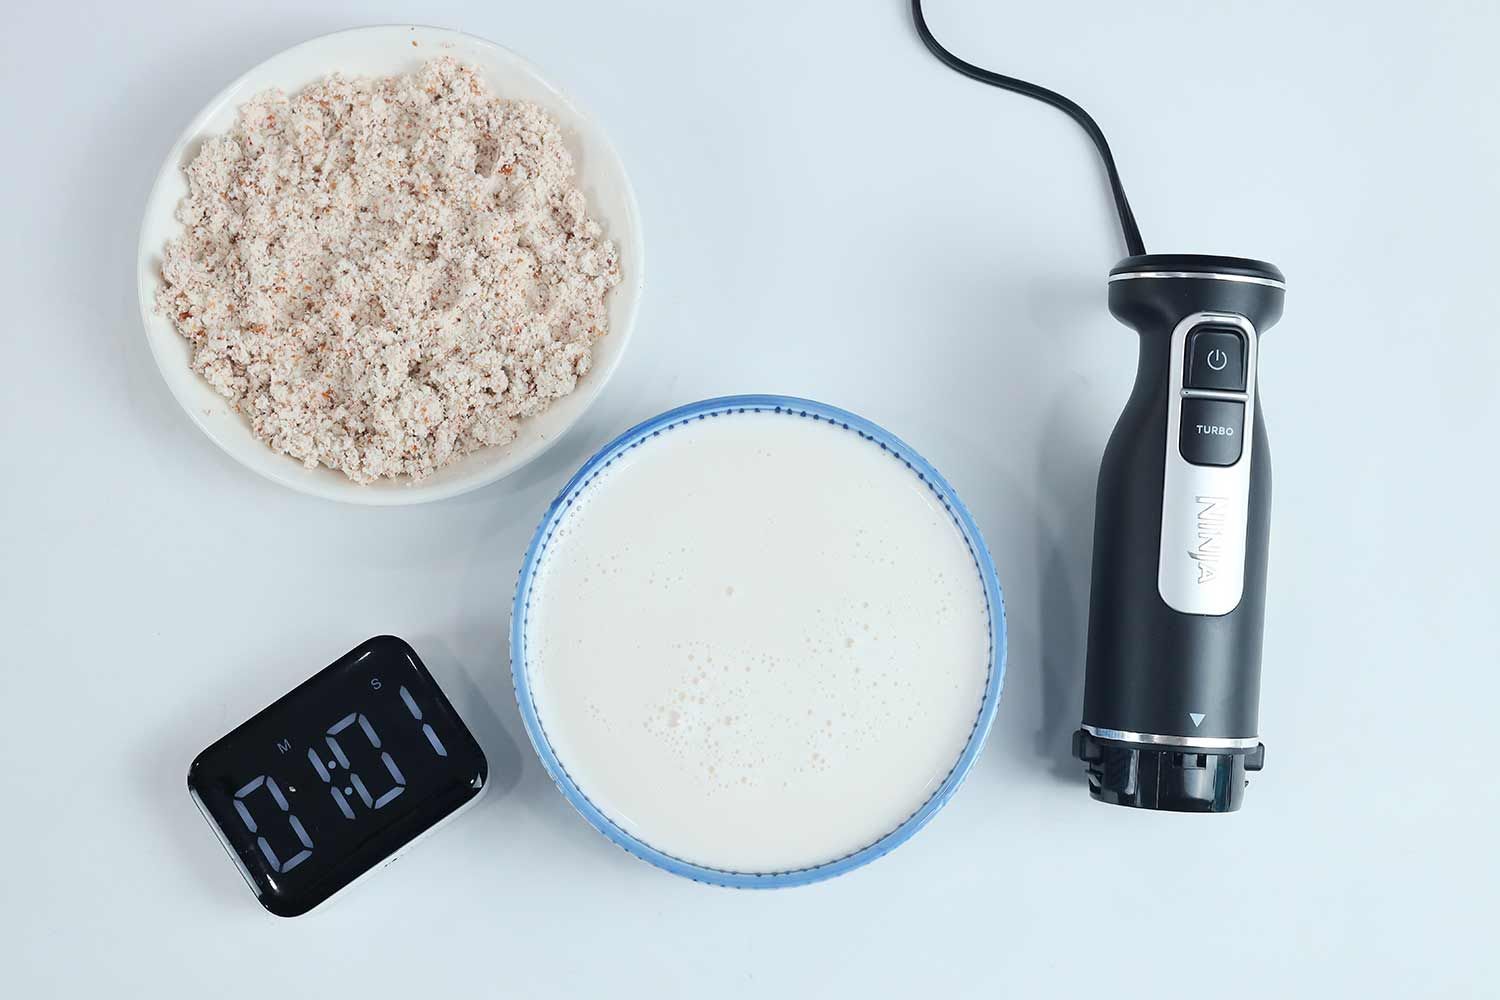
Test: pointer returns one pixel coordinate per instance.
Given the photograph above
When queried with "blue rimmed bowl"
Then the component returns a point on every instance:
(876, 436)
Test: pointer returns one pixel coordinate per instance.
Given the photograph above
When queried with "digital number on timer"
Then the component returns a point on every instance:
(338, 761)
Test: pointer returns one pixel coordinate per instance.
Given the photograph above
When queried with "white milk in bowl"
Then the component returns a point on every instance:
(754, 640)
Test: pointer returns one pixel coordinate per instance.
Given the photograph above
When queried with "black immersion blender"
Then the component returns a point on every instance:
(1177, 604)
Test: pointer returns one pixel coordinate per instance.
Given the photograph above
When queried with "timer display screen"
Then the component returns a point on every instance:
(338, 775)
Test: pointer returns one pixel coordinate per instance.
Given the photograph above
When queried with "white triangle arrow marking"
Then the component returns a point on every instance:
(1197, 718)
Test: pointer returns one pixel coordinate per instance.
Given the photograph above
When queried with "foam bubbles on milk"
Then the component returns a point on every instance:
(702, 717)
(723, 718)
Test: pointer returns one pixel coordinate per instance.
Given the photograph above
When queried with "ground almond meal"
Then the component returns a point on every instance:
(386, 274)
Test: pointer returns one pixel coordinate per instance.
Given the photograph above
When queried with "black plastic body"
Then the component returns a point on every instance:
(394, 759)
(1150, 666)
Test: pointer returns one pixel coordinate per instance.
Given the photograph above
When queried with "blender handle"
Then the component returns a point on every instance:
(1182, 524)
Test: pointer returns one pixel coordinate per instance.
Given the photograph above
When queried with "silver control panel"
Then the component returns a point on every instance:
(1206, 494)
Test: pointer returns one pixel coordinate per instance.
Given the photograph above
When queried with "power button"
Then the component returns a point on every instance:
(1216, 359)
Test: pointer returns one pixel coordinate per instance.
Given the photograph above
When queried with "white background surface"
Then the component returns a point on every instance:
(830, 213)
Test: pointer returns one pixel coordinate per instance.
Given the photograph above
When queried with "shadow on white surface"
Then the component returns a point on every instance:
(1065, 481)
(473, 688)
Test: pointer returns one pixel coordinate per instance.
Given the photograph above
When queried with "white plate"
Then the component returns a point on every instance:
(383, 51)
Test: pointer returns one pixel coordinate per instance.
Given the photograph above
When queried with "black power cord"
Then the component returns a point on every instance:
(1133, 243)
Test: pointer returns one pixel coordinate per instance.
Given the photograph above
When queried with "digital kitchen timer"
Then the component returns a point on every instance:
(338, 776)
